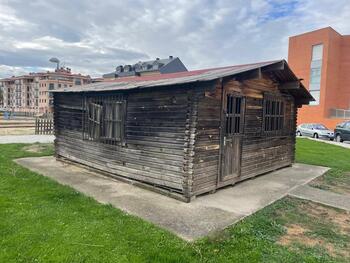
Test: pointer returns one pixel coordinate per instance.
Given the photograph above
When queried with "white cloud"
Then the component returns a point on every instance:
(94, 37)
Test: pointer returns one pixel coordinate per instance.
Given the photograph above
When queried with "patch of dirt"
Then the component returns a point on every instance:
(35, 148)
(297, 234)
(338, 217)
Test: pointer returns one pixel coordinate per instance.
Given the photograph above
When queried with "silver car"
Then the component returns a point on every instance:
(315, 130)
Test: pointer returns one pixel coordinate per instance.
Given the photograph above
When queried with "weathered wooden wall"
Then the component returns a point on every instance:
(158, 130)
(261, 152)
(207, 142)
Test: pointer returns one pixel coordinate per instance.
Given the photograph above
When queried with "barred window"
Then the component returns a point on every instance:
(105, 117)
(273, 115)
(112, 121)
(94, 120)
(234, 114)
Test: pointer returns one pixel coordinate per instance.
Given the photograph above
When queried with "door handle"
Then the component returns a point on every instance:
(224, 140)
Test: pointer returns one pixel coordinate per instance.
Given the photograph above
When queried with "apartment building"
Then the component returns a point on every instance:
(31, 93)
(151, 67)
(322, 59)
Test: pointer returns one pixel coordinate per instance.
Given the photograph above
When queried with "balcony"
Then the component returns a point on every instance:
(339, 114)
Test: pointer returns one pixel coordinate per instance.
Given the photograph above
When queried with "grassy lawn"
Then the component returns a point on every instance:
(43, 221)
(338, 178)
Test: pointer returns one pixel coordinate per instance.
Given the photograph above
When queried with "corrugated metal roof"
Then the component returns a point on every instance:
(166, 79)
(135, 82)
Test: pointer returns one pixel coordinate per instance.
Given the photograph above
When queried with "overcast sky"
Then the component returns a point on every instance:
(93, 37)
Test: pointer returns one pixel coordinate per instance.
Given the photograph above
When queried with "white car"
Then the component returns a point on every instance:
(315, 130)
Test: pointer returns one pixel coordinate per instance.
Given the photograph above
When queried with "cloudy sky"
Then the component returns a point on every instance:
(93, 37)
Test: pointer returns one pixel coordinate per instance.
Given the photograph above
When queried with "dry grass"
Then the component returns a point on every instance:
(326, 228)
(38, 148)
(335, 180)
(298, 234)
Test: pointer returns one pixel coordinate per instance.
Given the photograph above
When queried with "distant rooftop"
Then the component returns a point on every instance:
(67, 72)
(160, 66)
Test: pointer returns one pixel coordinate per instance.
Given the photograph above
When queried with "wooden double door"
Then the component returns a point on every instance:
(231, 137)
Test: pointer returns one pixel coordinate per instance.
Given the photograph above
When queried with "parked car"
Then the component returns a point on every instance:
(342, 132)
(315, 130)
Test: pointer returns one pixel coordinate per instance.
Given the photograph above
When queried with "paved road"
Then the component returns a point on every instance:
(26, 139)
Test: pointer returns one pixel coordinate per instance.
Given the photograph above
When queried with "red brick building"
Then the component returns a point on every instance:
(322, 59)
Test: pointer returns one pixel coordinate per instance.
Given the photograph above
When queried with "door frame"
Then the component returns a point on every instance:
(233, 179)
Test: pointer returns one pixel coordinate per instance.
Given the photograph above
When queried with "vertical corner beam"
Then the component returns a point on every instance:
(190, 140)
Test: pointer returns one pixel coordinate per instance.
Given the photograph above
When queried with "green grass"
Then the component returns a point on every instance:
(337, 158)
(43, 221)
(324, 154)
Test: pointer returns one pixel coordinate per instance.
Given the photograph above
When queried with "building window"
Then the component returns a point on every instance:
(77, 82)
(234, 111)
(51, 86)
(105, 119)
(317, 52)
(315, 73)
(113, 121)
(273, 119)
(94, 120)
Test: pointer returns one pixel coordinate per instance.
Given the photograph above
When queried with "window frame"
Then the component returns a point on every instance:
(103, 122)
(234, 120)
(276, 119)
(316, 79)
(112, 120)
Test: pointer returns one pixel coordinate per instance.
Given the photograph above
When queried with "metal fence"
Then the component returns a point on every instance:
(43, 125)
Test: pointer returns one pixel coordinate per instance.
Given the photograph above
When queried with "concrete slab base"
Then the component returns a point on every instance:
(329, 198)
(204, 215)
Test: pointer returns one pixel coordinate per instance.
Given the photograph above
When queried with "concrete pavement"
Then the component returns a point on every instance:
(206, 214)
(26, 139)
(329, 198)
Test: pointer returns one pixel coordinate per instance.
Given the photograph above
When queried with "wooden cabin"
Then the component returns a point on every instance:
(183, 134)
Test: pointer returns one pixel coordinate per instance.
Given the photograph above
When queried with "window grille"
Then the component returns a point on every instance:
(273, 115)
(234, 111)
(104, 119)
